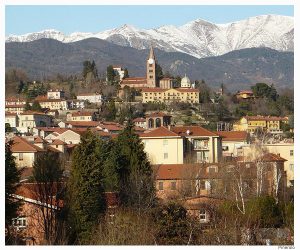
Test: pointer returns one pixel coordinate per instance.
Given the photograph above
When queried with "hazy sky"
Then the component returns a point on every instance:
(88, 18)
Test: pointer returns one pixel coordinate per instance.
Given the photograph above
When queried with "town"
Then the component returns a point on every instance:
(153, 160)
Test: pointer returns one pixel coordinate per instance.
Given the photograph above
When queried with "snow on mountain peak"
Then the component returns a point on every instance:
(199, 38)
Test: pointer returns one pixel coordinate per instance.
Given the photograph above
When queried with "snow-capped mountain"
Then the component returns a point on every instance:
(198, 38)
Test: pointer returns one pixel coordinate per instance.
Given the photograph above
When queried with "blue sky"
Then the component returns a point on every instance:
(88, 18)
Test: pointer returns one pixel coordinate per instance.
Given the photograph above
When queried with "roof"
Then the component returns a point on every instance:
(15, 99)
(270, 157)
(10, 114)
(245, 92)
(175, 171)
(159, 132)
(88, 94)
(82, 113)
(14, 105)
(58, 142)
(139, 119)
(233, 135)
(83, 123)
(183, 90)
(53, 129)
(30, 112)
(38, 139)
(193, 131)
(134, 80)
(22, 145)
(50, 148)
(157, 114)
(265, 118)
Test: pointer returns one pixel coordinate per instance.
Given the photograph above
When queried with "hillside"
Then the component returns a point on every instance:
(237, 69)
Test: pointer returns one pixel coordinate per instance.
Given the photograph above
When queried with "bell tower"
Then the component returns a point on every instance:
(151, 74)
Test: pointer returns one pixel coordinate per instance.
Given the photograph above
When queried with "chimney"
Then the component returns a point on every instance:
(169, 127)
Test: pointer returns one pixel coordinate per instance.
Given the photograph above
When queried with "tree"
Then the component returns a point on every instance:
(132, 170)
(49, 189)
(126, 75)
(36, 106)
(20, 87)
(12, 178)
(86, 199)
(89, 71)
(158, 71)
(27, 106)
(110, 74)
(7, 128)
(172, 225)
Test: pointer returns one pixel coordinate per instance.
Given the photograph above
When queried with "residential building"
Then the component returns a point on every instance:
(81, 116)
(271, 124)
(11, 119)
(233, 141)
(58, 104)
(90, 97)
(140, 122)
(76, 104)
(15, 108)
(119, 71)
(31, 119)
(24, 152)
(163, 146)
(15, 101)
(199, 144)
(55, 94)
(170, 95)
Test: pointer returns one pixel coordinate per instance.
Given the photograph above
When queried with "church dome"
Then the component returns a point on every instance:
(185, 82)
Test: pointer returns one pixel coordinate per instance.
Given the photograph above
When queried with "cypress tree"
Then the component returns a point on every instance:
(12, 178)
(134, 170)
(86, 192)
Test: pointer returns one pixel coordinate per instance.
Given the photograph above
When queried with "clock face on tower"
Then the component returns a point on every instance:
(150, 61)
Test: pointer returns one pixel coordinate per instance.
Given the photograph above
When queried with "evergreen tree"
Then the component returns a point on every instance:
(27, 106)
(110, 74)
(86, 193)
(12, 178)
(126, 75)
(158, 71)
(134, 170)
(36, 106)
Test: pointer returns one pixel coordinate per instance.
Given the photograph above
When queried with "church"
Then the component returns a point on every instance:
(163, 90)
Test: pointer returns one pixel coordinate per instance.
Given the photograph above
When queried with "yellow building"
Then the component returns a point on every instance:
(163, 146)
(82, 116)
(58, 104)
(169, 95)
(270, 124)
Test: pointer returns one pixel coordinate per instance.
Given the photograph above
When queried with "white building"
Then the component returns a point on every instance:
(119, 71)
(55, 94)
(91, 97)
(11, 119)
(185, 82)
(31, 119)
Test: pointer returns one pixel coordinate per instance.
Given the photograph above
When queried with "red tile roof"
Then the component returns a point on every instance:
(176, 171)
(15, 99)
(83, 123)
(233, 135)
(30, 112)
(21, 145)
(82, 113)
(10, 114)
(159, 132)
(266, 118)
(187, 90)
(38, 139)
(269, 157)
(139, 119)
(193, 131)
(245, 92)
(15, 106)
(50, 148)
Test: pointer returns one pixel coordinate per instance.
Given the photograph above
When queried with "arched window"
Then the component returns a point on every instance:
(150, 123)
(157, 122)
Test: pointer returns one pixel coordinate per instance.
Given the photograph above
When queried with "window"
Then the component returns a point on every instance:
(202, 185)
(161, 185)
(291, 152)
(225, 148)
(202, 215)
(207, 185)
(150, 70)
(212, 169)
(19, 222)
(165, 142)
(165, 155)
(20, 156)
(292, 167)
(173, 185)
(56, 146)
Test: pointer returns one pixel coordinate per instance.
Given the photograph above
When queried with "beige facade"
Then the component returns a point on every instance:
(58, 104)
(11, 119)
(24, 159)
(55, 94)
(270, 124)
(164, 150)
(91, 97)
(80, 116)
(29, 120)
(169, 95)
(166, 83)
(14, 108)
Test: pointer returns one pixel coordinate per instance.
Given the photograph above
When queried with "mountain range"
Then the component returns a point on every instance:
(198, 38)
(238, 69)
